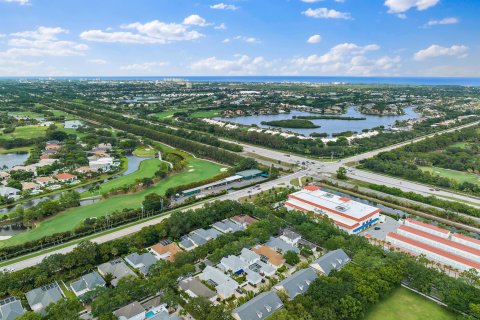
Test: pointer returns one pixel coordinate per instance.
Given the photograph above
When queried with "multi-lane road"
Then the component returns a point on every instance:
(306, 166)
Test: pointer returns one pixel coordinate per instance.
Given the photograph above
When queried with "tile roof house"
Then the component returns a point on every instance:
(30, 186)
(333, 260)
(11, 309)
(65, 177)
(4, 176)
(142, 262)
(269, 255)
(44, 181)
(132, 311)
(195, 288)
(243, 220)
(280, 245)
(224, 285)
(87, 283)
(297, 283)
(166, 251)
(40, 298)
(117, 268)
(260, 307)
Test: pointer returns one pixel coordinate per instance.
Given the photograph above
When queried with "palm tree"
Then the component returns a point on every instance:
(108, 279)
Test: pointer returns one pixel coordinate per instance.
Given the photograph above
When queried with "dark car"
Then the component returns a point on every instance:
(377, 228)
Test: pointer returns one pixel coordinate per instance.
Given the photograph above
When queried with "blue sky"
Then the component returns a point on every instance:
(239, 37)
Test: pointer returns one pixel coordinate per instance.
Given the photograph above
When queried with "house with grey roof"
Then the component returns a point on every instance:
(197, 240)
(142, 262)
(297, 283)
(279, 244)
(187, 244)
(233, 264)
(87, 283)
(254, 278)
(249, 257)
(207, 234)
(224, 285)
(228, 226)
(263, 268)
(260, 307)
(39, 298)
(333, 260)
(10, 309)
(290, 237)
(195, 288)
(132, 311)
(9, 192)
(117, 268)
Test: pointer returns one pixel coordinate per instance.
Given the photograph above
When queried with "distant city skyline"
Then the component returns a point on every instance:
(392, 38)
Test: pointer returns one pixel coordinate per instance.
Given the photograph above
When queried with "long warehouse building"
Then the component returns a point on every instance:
(349, 215)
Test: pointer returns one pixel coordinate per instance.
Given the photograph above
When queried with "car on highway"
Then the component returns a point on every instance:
(376, 228)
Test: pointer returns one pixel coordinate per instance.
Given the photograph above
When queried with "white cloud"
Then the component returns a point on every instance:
(449, 20)
(316, 38)
(247, 39)
(240, 64)
(437, 51)
(223, 6)
(153, 32)
(42, 42)
(325, 13)
(20, 2)
(221, 26)
(347, 59)
(227, 40)
(195, 20)
(143, 67)
(400, 6)
(97, 61)
(312, 1)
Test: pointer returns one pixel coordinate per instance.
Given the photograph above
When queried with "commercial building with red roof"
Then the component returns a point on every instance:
(465, 240)
(420, 248)
(347, 214)
(436, 231)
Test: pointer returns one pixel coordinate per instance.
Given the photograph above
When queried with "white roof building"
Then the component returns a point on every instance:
(347, 214)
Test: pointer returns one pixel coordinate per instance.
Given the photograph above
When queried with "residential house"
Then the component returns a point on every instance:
(11, 309)
(228, 226)
(87, 283)
(45, 181)
(84, 169)
(39, 298)
(117, 268)
(30, 186)
(65, 177)
(233, 264)
(207, 234)
(187, 244)
(132, 311)
(290, 237)
(4, 176)
(297, 283)
(260, 307)
(224, 285)
(254, 278)
(280, 245)
(29, 168)
(166, 250)
(8, 192)
(103, 146)
(333, 260)
(269, 256)
(195, 288)
(243, 220)
(103, 164)
(142, 262)
(249, 256)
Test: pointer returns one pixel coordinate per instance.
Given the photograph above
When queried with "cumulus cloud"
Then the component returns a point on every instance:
(316, 38)
(240, 64)
(42, 42)
(348, 59)
(153, 32)
(143, 67)
(221, 26)
(400, 6)
(449, 20)
(312, 1)
(243, 39)
(20, 2)
(325, 13)
(437, 51)
(223, 6)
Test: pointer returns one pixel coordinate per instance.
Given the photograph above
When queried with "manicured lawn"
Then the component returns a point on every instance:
(145, 151)
(165, 114)
(406, 305)
(147, 169)
(462, 145)
(25, 132)
(13, 150)
(458, 176)
(68, 220)
(205, 114)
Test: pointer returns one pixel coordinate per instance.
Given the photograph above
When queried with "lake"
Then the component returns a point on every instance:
(328, 126)
(13, 159)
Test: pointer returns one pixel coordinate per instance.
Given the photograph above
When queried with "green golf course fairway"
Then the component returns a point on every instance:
(197, 170)
(407, 305)
(458, 176)
(147, 169)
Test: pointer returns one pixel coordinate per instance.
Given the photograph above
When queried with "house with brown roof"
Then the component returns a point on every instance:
(166, 251)
(84, 169)
(44, 181)
(243, 220)
(269, 255)
(30, 186)
(65, 177)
